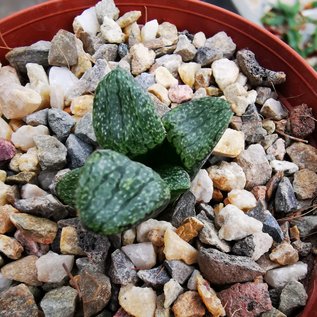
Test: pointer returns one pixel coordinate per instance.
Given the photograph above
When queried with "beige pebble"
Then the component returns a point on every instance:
(187, 72)
(10, 247)
(28, 162)
(160, 92)
(81, 105)
(5, 130)
(164, 77)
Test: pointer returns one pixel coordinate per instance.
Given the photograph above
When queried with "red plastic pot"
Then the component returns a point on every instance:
(44, 20)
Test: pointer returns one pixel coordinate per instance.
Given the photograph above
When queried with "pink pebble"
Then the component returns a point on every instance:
(180, 93)
(7, 150)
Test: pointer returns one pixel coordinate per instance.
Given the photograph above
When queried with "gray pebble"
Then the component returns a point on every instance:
(184, 208)
(61, 123)
(37, 118)
(155, 277)
(206, 55)
(244, 247)
(179, 271)
(122, 271)
(59, 302)
(222, 42)
(285, 200)
(108, 52)
(84, 129)
(51, 152)
(145, 80)
(77, 151)
(45, 178)
(123, 50)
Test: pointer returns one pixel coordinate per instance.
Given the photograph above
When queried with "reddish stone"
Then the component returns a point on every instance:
(246, 300)
(7, 150)
(302, 121)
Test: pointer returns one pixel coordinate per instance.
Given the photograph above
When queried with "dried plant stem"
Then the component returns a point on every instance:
(295, 216)
(291, 137)
(71, 277)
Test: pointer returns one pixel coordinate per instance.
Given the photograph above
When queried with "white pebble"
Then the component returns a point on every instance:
(202, 187)
(149, 31)
(284, 166)
(225, 72)
(242, 199)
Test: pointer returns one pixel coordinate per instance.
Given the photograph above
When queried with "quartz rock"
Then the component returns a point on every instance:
(172, 290)
(178, 270)
(18, 301)
(40, 230)
(227, 176)
(86, 22)
(209, 297)
(200, 93)
(106, 8)
(128, 236)
(303, 155)
(192, 282)
(128, 18)
(5, 130)
(77, 150)
(209, 234)
(175, 248)
(171, 62)
(133, 32)
(84, 60)
(50, 267)
(203, 78)
(31, 191)
(235, 224)
(61, 123)
(231, 144)
(273, 109)
(279, 277)
(222, 42)
(28, 162)
(255, 166)
(160, 92)
(51, 152)
(202, 186)
(111, 31)
(221, 268)
(251, 299)
(138, 301)
(63, 50)
(62, 82)
(145, 227)
(22, 270)
(96, 291)
(269, 126)
(141, 58)
(264, 93)
(155, 277)
(293, 295)
(3, 175)
(168, 31)
(199, 39)
(305, 184)
(5, 223)
(160, 311)
(23, 137)
(185, 48)
(303, 248)
(242, 199)
(164, 77)
(59, 302)
(122, 270)
(187, 72)
(225, 72)
(284, 254)
(277, 149)
(142, 255)
(4, 189)
(206, 55)
(287, 167)
(180, 93)
(189, 304)
(149, 31)
(10, 247)
(81, 105)
(285, 200)
(39, 82)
